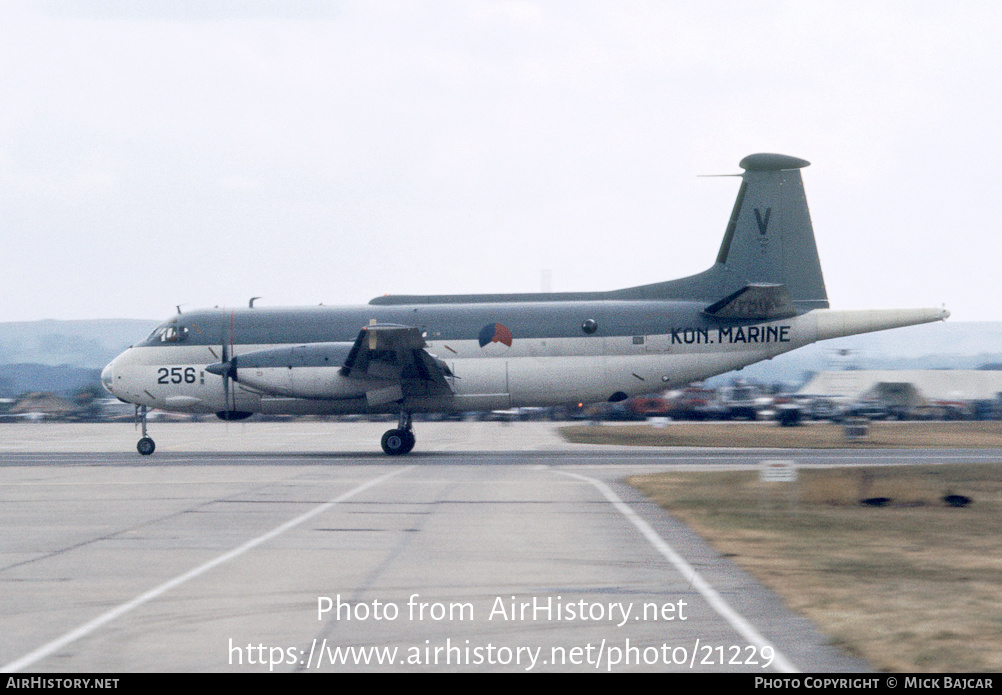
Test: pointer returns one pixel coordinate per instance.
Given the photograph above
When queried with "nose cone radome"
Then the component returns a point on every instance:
(107, 377)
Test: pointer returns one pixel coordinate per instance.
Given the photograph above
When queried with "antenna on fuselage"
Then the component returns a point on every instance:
(250, 304)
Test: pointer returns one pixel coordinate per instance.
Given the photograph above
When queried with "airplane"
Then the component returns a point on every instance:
(405, 354)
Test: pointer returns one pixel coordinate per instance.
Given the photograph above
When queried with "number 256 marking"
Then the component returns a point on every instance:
(176, 375)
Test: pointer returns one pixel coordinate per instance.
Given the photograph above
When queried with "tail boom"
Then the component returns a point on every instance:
(832, 323)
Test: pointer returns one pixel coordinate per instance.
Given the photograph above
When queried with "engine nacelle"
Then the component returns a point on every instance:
(297, 371)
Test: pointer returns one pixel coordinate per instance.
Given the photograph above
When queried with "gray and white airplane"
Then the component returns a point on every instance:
(764, 295)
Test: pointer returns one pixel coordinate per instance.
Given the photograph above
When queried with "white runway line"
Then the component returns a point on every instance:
(716, 601)
(105, 618)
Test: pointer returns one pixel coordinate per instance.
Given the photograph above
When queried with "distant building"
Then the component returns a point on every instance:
(908, 389)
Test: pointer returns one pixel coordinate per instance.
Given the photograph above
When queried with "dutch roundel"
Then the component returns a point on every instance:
(495, 338)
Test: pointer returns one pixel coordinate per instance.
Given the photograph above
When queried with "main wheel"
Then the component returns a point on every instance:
(396, 442)
(411, 440)
(146, 446)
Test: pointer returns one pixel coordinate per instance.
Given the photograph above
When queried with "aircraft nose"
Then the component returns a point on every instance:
(107, 377)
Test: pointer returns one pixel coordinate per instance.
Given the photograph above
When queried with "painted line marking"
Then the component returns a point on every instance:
(716, 601)
(105, 618)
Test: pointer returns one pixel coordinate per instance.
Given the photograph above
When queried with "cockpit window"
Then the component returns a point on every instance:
(169, 332)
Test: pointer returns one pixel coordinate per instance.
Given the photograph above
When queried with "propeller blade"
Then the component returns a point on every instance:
(227, 368)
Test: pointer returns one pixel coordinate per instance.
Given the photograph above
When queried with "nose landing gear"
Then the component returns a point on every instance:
(146, 445)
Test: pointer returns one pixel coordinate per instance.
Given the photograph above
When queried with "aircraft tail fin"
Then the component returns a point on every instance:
(769, 237)
(769, 242)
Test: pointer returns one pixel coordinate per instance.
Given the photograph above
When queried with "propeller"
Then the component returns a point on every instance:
(227, 369)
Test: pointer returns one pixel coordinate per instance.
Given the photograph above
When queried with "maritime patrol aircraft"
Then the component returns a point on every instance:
(406, 354)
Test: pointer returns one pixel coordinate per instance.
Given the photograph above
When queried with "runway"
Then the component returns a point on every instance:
(461, 557)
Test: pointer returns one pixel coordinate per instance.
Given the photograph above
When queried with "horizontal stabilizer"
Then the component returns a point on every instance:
(756, 301)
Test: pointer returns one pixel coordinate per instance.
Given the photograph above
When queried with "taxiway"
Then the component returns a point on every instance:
(296, 546)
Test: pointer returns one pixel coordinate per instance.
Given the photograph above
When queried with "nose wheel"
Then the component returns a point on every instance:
(146, 445)
(401, 440)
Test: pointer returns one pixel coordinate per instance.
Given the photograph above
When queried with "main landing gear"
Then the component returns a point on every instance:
(401, 440)
(146, 445)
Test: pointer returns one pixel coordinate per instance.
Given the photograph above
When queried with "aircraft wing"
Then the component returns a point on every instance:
(396, 353)
(756, 301)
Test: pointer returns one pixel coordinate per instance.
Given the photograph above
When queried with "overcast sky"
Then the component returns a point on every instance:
(201, 153)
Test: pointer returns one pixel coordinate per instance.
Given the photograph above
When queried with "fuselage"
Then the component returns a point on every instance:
(500, 355)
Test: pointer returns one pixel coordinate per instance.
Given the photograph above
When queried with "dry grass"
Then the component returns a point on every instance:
(813, 435)
(913, 586)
